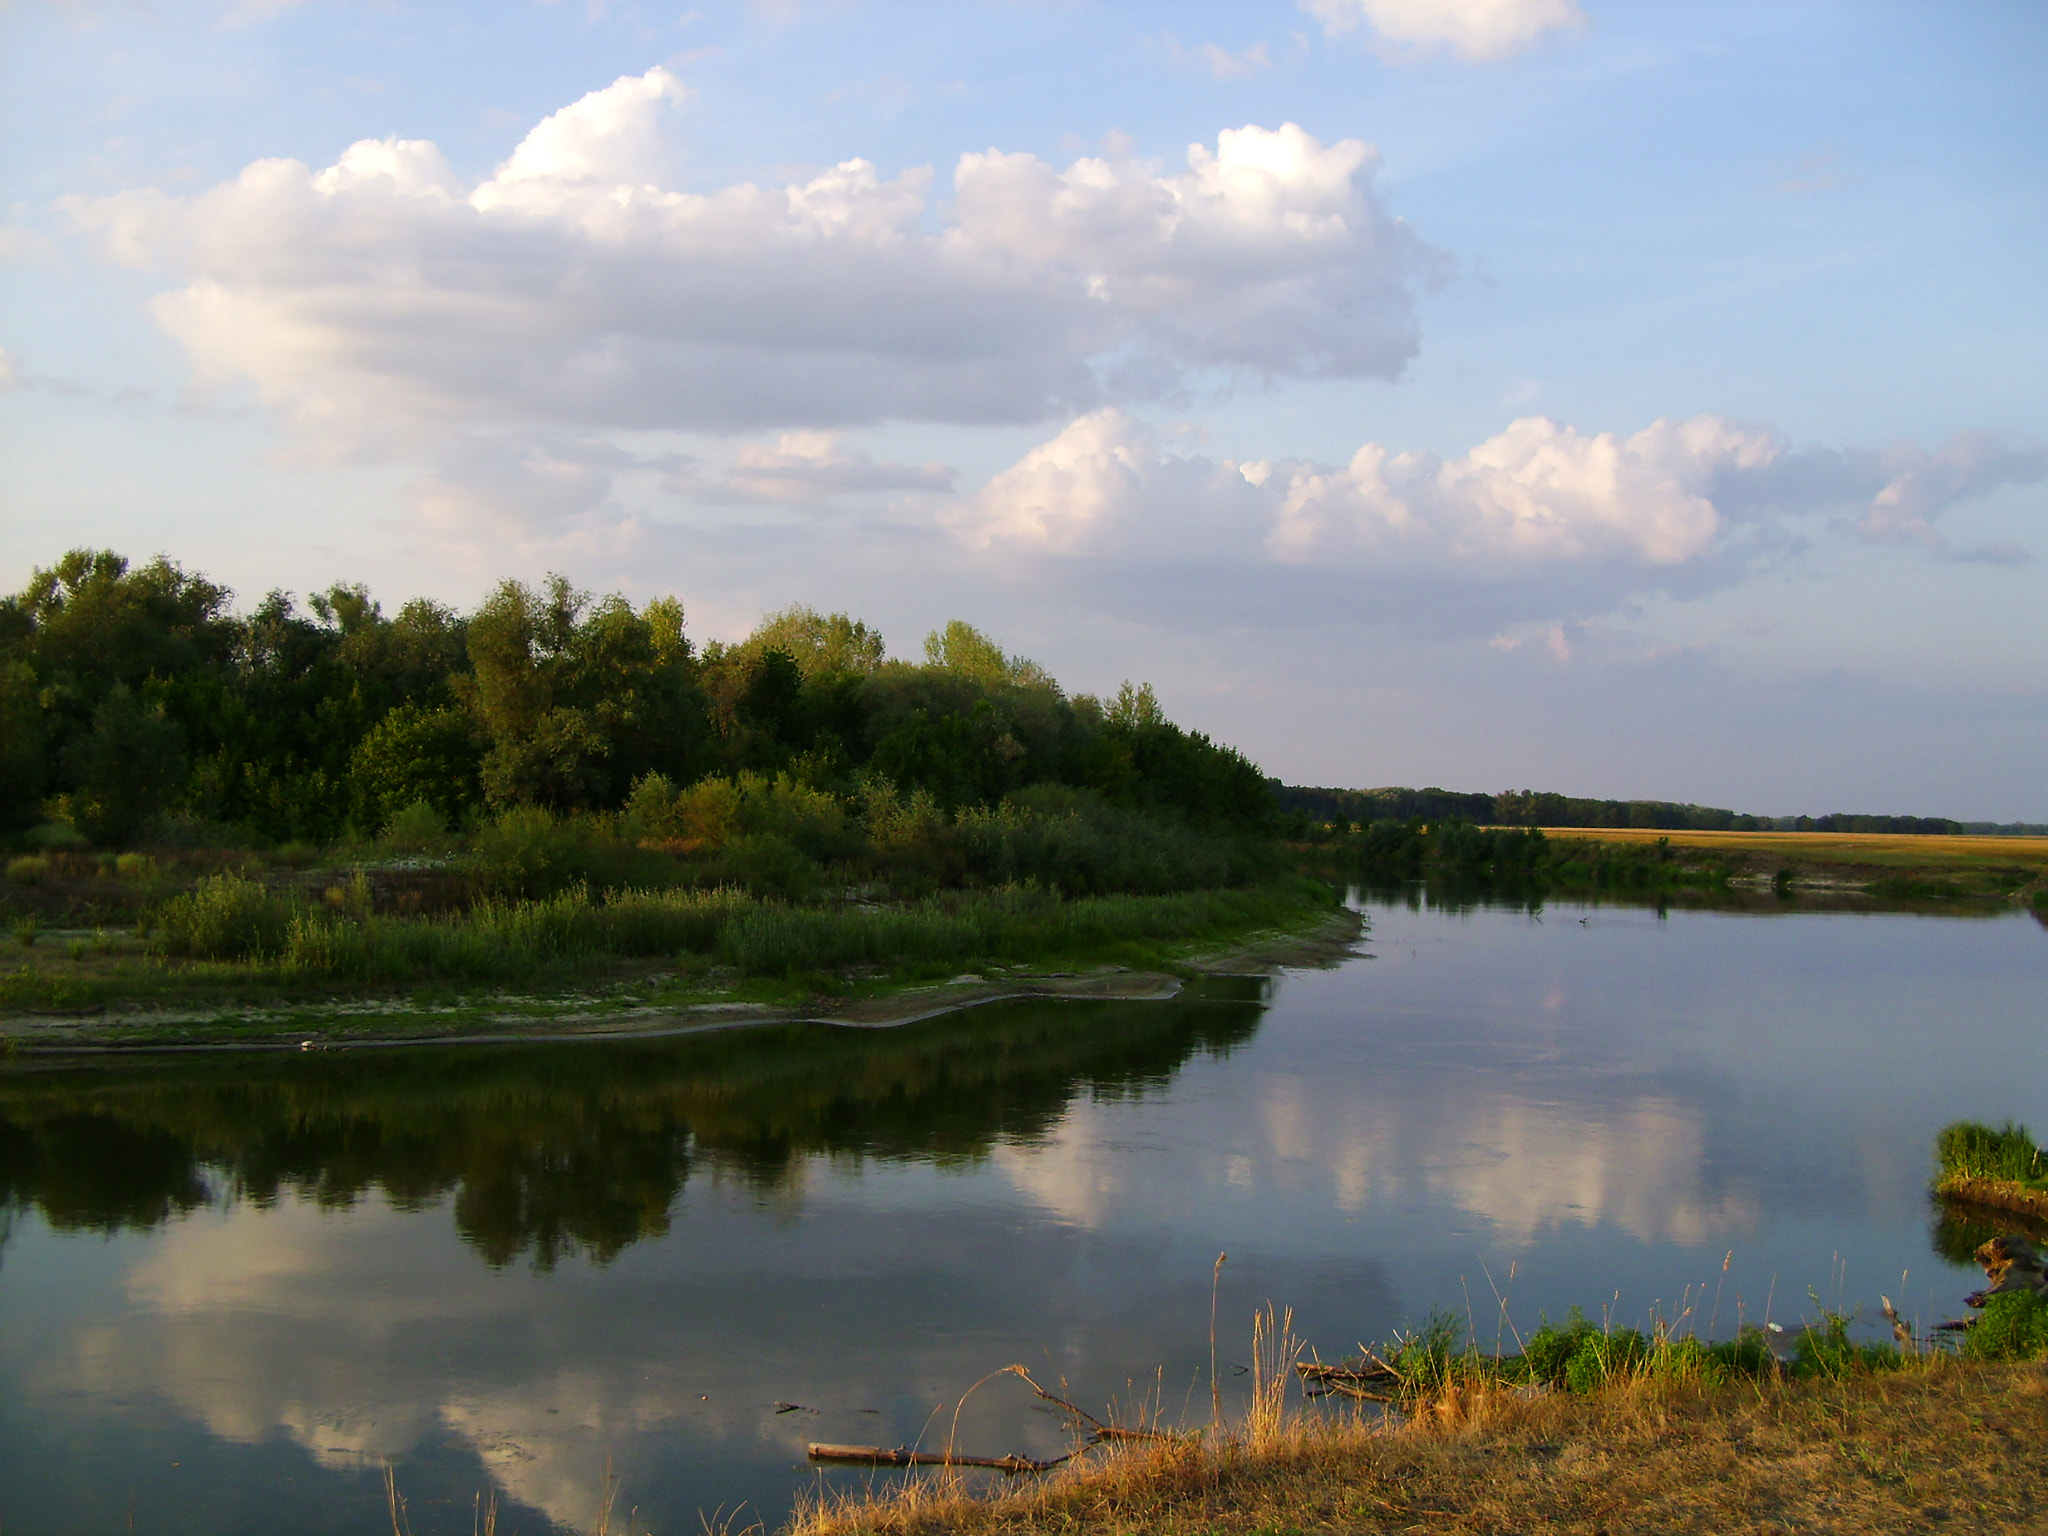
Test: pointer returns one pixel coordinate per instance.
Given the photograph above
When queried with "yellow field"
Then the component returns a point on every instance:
(1885, 848)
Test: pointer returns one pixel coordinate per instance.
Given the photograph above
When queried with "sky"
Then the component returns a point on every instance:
(1627, 400)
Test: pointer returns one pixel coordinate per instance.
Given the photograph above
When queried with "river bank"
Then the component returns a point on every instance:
(1873, 864)
(647, 997)
(1944, 1445)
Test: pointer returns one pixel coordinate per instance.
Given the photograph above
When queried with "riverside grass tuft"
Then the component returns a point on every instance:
(231, 918)
(2006, 1153)
(1588, 1429)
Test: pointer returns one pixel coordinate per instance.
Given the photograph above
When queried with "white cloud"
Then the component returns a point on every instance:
(808, 467)
(1540, 511)
(1475, 29)
(1220, 62)
(379, 304)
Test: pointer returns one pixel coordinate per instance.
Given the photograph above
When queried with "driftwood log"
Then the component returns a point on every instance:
(1369, 1379)
(2011, 1264)
(903, 1456)
(1095, 1432)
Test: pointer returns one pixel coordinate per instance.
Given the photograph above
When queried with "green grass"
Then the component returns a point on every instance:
(2006, 1153)
(233, 938)
(2012, 1327)
(1578, 1356)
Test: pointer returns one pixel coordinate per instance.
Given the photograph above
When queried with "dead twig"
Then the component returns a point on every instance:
(1097, 1430)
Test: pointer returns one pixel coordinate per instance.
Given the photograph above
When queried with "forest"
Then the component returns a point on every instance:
(137, 706)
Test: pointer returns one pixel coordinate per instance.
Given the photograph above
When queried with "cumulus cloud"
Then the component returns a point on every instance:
(1483, 30)
(380, 301)
(1584, 519)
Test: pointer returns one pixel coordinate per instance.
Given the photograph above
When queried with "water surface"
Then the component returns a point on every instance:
(232, 1291)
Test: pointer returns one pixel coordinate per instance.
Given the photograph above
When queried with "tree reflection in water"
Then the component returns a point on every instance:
(553, 1150)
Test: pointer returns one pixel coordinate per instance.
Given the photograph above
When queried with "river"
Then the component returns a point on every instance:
(234, 1290)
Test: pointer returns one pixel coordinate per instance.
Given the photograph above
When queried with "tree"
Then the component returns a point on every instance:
(577, 705)
(21, 747)
(818, 643)
(126, 769)
(960, 647)
(414, 755)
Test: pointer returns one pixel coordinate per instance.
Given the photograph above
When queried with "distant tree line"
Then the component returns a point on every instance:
(1530, 808)
(135, 702)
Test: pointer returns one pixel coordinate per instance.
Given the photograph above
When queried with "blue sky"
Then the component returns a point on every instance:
(1632, 400)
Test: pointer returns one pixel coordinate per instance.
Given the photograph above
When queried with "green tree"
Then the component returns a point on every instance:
(818, 643)
(413, 755)
(962, 648)
(577, 702)
(21, 746)
(126, 769)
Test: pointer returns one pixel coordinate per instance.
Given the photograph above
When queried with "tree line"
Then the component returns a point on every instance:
(137, 703)
(1530, 808)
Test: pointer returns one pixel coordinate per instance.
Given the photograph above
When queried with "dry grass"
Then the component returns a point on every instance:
(1948, 1446)
(1874, 848)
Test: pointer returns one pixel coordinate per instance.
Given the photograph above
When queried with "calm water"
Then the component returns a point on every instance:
(231, 1291)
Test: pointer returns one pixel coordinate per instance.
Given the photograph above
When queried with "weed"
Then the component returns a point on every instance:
(225, 917)
(29, 869)
(27, 930)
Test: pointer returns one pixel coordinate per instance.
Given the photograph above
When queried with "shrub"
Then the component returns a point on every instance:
(31, 869)
(2013, 1327)
(1550, 1348)
(56, 837)
(1828, 1352)
(528, 852)
(135, 866)
(1604, 1358)
(225, 917)
(769, 864)
(419, 828)
(27, 930)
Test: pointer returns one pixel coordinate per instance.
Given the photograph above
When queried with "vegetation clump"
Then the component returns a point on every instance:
(334, 796)
(2005, 1153)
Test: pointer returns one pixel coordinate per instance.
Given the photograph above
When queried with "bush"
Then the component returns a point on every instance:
(225, 917)
(1829, 1353)
(32, 869)
(528, 852)
(1604, 1358)
(2012, 1327)
(417, 829)
(135, 866)
(56, 837)
(1550, 1348)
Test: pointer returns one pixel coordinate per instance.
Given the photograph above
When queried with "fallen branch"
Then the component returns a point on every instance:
(903, 1456)
(1097, 1430)
(1355, 1378)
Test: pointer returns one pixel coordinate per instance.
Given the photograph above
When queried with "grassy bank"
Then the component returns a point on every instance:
(1985, 874)
(1881, 865)
(233, 941)
(1992, 1166)
(1947, 1444)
